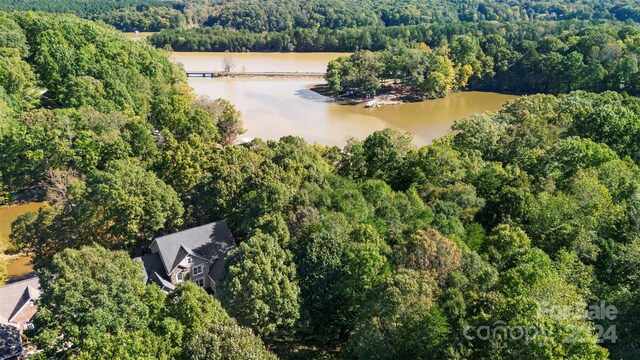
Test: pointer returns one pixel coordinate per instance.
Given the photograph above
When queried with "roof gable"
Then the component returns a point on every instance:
(184, 252)
(14, 296)
(25, 299)
(206, 241)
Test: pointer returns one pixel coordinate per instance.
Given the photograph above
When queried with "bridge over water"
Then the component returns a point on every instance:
(217, 74)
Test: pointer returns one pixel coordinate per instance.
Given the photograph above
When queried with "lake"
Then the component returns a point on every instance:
(20, 267)
(273, 107)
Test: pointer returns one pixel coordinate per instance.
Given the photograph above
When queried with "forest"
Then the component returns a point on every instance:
(597, 59)
(288, 25)
(521, 219)
(126, 15)
(280, 15)
(283, 15)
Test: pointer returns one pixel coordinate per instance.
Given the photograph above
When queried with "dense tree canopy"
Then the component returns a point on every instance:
(278, 15)
(226, 342)
(261, 289)
(597, 58)
(103, 99)
(88, 293)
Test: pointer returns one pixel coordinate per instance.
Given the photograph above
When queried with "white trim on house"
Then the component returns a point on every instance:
(199, 268)
(29, 302)
(190, 254)
(212, 284)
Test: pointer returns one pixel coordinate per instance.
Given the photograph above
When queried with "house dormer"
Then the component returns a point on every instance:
(195, 254)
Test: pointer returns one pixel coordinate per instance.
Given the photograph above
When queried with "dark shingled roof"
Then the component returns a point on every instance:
(13, 298)
(216, 270)
(10, 342)
(208, 241)
(153, 270)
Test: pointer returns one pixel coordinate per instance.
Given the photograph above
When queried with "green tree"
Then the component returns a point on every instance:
(171, 109)
(17, 79)
(466, 51)
(402, 322)
(193, 308)
(346, 261)
(569, 155)
(88, 294)
(139, 344)
(229, 124)
(368, 68)
(12, 35)
(380, 156)
(613, 125)
(334, 71)
(226, 341)
(260, 289)
(430, 252)
(218, 192)
(126, 204)
(4, 272)
(48, 232)
(4, 194)
(505, 243)
(183, 164)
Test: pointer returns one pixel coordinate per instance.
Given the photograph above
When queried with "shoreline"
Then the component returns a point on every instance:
(13, 257)
(392, 97)
(387, 98)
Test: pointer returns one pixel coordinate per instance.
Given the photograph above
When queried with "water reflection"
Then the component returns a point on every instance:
(311, 95)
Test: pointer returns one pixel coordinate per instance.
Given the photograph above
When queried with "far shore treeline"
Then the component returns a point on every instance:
(373, 38)
(260, 16)
(596, 58)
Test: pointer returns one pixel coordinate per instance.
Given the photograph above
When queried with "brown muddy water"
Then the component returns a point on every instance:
(272, 108)
(275, 107)
(20, 267)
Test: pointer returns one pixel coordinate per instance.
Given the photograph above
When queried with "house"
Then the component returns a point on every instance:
(17, 302)
(197, 254)
(17, 307)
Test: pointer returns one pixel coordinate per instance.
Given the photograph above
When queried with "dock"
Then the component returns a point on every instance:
(218, 74)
